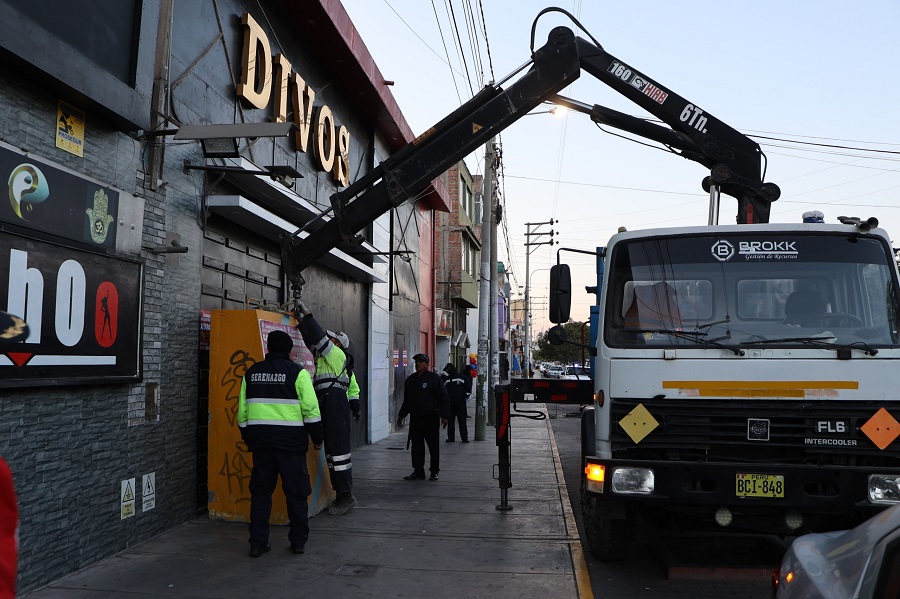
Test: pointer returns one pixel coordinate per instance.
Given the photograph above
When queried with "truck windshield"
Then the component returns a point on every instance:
(778, 289)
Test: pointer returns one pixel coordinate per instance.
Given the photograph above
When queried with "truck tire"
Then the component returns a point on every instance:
(608, 539)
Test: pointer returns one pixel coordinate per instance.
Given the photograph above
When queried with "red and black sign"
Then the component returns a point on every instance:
(83, 312)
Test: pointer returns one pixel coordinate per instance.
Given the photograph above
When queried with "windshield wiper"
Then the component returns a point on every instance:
(820, 341)
(695, 336)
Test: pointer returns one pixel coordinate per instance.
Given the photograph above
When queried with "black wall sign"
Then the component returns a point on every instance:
(48, 199)
(83, 311)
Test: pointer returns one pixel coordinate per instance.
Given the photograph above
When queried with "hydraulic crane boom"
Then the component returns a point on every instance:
(733, 158)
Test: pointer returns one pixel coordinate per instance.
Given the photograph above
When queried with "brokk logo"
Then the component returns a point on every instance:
(722, 250)
(782, 247)
(768, 250)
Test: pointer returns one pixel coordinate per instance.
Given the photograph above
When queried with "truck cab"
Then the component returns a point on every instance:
(744, 378)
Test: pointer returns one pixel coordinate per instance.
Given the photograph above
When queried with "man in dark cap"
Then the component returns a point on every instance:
(425, 400)
(278, 414)
(455, 383)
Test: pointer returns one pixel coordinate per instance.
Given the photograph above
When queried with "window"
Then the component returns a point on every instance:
(748, 289)
(469, 257)
(467, 199)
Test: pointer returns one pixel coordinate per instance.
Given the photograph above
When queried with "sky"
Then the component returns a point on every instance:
(819, 72)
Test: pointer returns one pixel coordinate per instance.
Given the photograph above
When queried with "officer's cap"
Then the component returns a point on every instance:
(280, 342)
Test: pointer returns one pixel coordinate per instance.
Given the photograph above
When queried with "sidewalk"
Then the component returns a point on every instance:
(405, 538)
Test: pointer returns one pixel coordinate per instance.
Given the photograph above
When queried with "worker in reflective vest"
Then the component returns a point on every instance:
(278, 415)
(332, 383)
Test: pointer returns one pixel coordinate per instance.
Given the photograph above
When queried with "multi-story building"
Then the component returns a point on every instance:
(119, 237)
(458, 261)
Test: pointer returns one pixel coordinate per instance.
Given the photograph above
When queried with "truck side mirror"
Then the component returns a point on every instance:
(560, 293)
(557, 335)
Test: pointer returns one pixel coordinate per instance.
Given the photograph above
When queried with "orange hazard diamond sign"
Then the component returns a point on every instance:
(882, 428)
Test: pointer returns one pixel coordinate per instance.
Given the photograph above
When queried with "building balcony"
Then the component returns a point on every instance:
(465, 293)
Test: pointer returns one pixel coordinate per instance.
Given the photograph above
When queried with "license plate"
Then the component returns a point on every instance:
(760, 485)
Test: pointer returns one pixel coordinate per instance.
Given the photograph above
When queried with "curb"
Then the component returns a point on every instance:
(576, 551)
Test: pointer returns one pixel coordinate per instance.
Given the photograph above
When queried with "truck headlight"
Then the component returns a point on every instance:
(633, 481)
(884, 488)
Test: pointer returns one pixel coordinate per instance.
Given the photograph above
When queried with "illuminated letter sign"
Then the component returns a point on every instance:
(263, 78)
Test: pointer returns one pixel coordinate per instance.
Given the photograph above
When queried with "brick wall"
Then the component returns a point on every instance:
(69, 447)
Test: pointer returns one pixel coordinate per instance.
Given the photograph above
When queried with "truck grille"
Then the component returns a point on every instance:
(698, 430)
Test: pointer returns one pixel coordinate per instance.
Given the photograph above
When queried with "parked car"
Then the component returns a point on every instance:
(574, 373)
(861, 562)
(556, 372)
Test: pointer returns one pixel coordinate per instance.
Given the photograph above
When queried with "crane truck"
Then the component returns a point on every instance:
(743, 377)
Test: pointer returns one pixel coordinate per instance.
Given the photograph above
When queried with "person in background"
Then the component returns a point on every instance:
(12, 330)
(455, 383)
(9, 533)
(467, 373)
(278, 415)
(425, 401)
(332, 383)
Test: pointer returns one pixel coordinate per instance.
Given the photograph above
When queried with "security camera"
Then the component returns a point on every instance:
(285, 180)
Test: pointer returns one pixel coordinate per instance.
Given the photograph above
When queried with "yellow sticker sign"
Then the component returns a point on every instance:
(70, 129)
(638, 423)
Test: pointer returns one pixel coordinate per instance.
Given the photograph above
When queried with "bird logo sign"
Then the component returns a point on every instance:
(27, 186)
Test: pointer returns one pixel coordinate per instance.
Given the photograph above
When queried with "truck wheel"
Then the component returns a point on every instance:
(608, 539)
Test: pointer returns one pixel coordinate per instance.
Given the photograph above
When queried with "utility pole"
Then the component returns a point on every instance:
(494, 377)
(484, 291)
(526, 349)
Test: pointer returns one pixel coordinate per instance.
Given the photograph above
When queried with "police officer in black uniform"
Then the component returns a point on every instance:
(425, 401)
(455, 383)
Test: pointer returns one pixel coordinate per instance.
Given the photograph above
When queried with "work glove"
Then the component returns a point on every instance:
(355, 416)
(301, 311)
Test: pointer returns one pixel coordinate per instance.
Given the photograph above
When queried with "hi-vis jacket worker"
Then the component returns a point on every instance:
(332, 382)
(341, 339)
(278, 415)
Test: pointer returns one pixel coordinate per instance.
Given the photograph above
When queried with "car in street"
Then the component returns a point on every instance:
(861, 562)
(556, 371)
(574, 373)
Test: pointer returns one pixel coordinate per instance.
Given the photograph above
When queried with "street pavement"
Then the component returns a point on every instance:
(405, 538)
(668, 564)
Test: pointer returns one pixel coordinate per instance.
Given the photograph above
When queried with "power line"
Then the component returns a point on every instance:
(451, 14)
(486, 42)
(444, 42)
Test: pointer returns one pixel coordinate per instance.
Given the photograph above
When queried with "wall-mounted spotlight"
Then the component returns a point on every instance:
(173, 248)
(286, 175)
(220, 141)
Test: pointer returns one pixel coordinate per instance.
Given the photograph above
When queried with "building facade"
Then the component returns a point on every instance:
(458, 260)
(123, 232)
